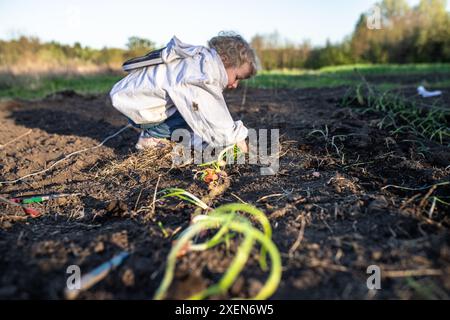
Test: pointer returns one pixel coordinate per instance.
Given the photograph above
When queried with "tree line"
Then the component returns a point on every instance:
(404, 34)
(30, 55)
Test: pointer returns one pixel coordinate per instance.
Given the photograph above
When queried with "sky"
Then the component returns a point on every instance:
(99, 23)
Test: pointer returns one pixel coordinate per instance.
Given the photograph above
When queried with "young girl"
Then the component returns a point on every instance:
(180, 86)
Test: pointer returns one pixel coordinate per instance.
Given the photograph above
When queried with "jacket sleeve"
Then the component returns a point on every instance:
(204, 109)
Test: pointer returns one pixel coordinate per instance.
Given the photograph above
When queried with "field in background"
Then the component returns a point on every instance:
(346, 75)
(386, 76)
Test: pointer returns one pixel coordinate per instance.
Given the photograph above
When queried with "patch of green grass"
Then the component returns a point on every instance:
(273, 80)
(344, 75)
(390, 69)
(39, 87)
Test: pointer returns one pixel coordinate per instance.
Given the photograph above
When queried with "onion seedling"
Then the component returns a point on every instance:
(226, 220)
(183, 195)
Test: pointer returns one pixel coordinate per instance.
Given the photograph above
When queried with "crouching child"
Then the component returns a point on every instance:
(181, 87)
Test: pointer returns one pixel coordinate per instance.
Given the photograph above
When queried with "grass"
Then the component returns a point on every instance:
(344, 75)
(401, 115)
(331, 141)
(391, 69)
(25, 87)
(39, 87)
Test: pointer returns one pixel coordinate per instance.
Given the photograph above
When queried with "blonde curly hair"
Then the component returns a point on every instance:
(234, 51)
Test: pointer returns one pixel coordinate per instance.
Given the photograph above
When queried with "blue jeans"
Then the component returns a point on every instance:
(163, 129)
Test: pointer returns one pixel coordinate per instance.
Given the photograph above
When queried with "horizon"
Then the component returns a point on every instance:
(83, 22)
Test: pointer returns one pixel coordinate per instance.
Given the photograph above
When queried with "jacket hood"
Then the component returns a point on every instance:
(176, 49)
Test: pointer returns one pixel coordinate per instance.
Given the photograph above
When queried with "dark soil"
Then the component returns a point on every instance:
(351, 221)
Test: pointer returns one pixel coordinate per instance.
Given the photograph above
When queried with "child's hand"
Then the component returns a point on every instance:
(242, 146)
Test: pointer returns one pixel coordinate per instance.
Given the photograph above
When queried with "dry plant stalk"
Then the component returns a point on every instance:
(140, 162)
(215, 191)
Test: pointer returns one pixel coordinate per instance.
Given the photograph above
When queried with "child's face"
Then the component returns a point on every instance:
(236, 74)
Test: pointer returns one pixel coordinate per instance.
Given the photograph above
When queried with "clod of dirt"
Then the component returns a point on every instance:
(281, 212)
(128, 278)
(5, 225)
(99, 247)
(376, 255)
(120, 239)
(237, 286)
(316, 174)
(116, 208)
(254, 287)
(342, 183)
(189, 284)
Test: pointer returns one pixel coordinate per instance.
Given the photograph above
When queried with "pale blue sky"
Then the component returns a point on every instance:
(99, 23)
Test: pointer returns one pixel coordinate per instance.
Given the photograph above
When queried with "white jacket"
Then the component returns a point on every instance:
(190, 80)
